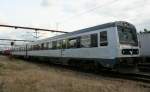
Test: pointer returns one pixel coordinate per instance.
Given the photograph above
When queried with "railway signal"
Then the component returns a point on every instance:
(12, 43)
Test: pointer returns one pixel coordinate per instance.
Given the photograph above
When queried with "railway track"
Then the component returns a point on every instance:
(141, 76)
(144, 67)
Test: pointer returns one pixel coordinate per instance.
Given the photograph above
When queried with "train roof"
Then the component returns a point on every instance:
(102, 26)
(107, 25)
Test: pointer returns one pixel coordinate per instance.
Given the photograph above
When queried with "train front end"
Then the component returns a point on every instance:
(128, 49)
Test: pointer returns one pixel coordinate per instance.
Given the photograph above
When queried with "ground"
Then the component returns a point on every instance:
(20, 76)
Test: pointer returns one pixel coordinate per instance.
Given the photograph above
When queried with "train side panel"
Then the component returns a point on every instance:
(100, 52)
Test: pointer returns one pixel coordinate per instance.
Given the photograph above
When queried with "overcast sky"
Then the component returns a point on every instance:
(69, 15)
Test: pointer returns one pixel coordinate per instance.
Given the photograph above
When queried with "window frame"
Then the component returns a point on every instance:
(85, 39)
(59, 42)
(54, 44)
(77, 43)
(64, 44)
(96, 41)
(104, 42)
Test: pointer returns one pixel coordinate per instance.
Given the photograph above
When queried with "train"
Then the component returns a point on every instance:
(1, 52)
(144, 41)
(5, 52)
(112, 46)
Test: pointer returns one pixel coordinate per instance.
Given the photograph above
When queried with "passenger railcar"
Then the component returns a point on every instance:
(144, 42)
(6, 52)
(113, 46)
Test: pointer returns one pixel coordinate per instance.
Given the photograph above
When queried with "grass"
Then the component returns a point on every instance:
(19, 76)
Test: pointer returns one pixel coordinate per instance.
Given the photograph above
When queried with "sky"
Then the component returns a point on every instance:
(69, 15)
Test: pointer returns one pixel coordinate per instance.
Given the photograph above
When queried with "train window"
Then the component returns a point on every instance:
(38, 47)
(64, 44)
(72, 43)
(103, 38)
(78, 42)
(31, 47)
(35, 47)
(94, 40)
(47, 45)
(54, 44)
(28, 47)
(50, 45)
(42, 46)
(59, 44)
(86, 41)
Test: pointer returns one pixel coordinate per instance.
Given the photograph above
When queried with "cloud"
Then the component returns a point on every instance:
(70, 15)
(135, 11)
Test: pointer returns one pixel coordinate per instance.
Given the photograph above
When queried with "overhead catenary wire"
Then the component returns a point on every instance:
(16, 40)
(31, 28)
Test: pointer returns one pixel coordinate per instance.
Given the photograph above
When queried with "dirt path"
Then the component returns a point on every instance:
(19, 76)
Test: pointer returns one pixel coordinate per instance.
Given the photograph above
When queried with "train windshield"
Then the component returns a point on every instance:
(127, 36)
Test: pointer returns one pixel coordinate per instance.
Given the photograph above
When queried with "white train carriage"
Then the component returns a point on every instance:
(108, 45)
(144, 42)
